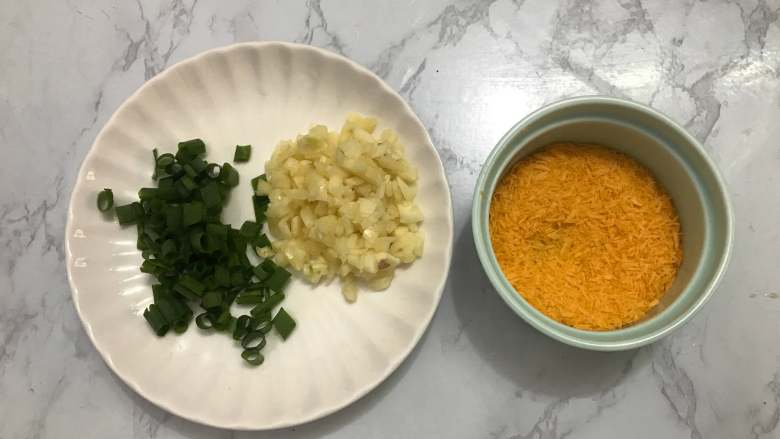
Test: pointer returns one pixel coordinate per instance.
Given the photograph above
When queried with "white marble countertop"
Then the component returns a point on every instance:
(470, 69)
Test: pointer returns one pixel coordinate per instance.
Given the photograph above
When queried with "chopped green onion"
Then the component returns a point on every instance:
(242, 153)
(260, 205)
(283, 323)
(262, 316)
(165, 160)
(174, 169)
(210, 195)
(255, 180)
(230, 297)
(228, 175)
(168, 248)
(233, 261)
(128, 214)
(224, 321)
(193, 148)
(192, 213)
(189, 184)
(237, 241)
(197, 240)
(173, 217)
(253, 340)
(253, 356)
(237, 278)
(221, 276)
(249, 299)
(263, 324)
(199, 165)
(194, 256)
(257, 288)
(168, 311)
(269, 266)
(268, 305)
(218, 230)
(242, 327)
(261, 241)
(105, 200)
(213, 170)
(191, 283)
(250, 229)
(181, 326)
(161, 165)
(260, 272)
(154, 154)
(167, 191)
(156, 320)
(211, 299)
(148, 193)
(190, 171)
(211, 244)
(278, 279)
(203, 321)
(185, 292)
(183, 310)
(189, 287)
(159, 291)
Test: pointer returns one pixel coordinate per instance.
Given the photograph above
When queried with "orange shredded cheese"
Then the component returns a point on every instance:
(586, 235)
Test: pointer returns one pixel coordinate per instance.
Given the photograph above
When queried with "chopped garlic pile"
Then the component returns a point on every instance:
(342, 204)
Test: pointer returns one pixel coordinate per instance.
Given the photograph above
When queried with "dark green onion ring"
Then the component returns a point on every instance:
(253, 340)
(105, 200)
(203, 321)
(253, 357)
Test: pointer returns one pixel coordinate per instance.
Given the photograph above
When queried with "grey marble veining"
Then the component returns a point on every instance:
(470, 69)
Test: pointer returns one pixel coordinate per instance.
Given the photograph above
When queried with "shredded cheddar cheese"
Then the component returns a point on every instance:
(586, 235)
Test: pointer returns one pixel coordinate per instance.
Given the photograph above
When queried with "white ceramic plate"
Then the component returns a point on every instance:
(256, 93)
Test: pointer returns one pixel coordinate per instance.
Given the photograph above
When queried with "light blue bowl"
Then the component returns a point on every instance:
(679, 163)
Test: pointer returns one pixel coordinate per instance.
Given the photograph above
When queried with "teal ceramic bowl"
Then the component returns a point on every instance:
(678, 162)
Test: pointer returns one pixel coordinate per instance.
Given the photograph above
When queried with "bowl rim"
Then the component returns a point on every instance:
(548, 326)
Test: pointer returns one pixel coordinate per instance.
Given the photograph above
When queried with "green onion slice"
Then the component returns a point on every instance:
(105, 200)
(195, 258)
(253, 340)
(242, 327)
(242, 153)
(204, 321)
(156, 320)
(253, 356)
(283, 323)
